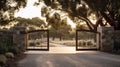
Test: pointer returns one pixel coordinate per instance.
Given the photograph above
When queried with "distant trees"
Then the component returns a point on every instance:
(60, 33)
(31, 23)
(59, 27)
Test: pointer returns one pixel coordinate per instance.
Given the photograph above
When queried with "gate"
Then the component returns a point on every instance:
(87, 40)
(37, 40)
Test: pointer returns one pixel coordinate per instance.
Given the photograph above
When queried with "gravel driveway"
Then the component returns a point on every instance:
(78, 59)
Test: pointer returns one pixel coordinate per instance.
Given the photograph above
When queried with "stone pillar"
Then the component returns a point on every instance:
(106, 37)
(98, 38)
(19, 37)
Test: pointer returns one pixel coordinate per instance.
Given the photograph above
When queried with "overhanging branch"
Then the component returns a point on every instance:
(91, 27)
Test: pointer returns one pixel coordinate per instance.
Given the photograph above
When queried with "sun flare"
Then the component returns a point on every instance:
(73, 25)
(30, 10)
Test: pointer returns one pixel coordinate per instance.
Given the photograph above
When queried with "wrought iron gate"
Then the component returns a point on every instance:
(38, 40)
(87, 40)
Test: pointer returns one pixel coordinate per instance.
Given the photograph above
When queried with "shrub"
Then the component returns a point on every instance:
(3, 60)
(9, 55)
(89, 43)
(6, 47)
(84, 43)
(3, 48)
(32, 44)
(37, 43)
(116, 45)
(14, 49)
(80, 43)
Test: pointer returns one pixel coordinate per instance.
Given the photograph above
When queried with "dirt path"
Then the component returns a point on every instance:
(57, 45)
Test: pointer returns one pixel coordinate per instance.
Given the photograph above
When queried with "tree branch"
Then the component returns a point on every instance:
(107, 18)
(87, 22)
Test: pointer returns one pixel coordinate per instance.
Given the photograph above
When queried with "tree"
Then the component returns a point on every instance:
(61, 33)
(7, 9)
(75, 8)
(58, 26)
(109, 9)
(34, 22)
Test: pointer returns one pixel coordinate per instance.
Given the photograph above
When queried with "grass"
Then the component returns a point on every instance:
(65, 42)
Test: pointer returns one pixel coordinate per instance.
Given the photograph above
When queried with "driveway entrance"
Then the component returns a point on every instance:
(40, 40)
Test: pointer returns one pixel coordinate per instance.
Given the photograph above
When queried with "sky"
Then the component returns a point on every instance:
(31, 11)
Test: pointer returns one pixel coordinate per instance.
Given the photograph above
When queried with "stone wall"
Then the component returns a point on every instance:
(6, 36)
(116, 40)
(15, 36)
(108, 38)
(117, 35)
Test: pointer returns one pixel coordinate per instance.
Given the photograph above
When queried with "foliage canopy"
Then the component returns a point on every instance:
(107, 9)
